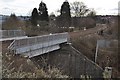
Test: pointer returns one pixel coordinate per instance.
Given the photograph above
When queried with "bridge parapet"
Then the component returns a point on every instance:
(41, 44)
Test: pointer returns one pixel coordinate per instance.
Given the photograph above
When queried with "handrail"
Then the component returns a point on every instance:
(11, 33)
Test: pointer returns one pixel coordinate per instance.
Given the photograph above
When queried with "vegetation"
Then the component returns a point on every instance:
(79, 9)
(43, 13)
(64, 21)
(77, 15)
(86, 41)
(34, 17)
(39, 18)
(12, 23)
(65, 14)
(38, 73)
(15, 66)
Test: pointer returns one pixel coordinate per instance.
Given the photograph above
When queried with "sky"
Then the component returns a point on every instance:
(25, 7)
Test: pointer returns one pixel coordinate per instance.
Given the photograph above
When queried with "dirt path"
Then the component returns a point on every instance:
(82, 33)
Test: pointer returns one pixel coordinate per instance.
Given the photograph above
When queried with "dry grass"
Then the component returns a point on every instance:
(85, 42)
(16, 66)
(38, 73)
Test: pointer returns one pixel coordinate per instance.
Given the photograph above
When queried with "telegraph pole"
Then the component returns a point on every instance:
(96, 53)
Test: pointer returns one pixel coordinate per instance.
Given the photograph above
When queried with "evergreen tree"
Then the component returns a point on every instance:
(65, 14)
(34, 17)
(13, 16)
(43, 13)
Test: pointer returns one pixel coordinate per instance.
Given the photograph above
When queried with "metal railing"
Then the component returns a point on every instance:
(11, 33)
(38, 42)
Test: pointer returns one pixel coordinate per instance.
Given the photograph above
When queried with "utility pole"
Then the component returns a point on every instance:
(96, 53)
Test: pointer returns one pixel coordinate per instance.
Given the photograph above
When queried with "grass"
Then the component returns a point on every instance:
(16, 66)
(38, 73)
(85, 42)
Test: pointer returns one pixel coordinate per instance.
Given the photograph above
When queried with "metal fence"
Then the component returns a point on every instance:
(11, 33)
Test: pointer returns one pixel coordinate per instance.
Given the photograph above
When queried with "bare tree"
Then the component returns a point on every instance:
(12, 23)
(79, 9)
(91, 13)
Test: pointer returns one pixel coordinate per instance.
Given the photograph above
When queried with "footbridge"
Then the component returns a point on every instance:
(34, 46)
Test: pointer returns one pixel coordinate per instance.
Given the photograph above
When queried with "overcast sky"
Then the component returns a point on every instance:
(24, 7)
